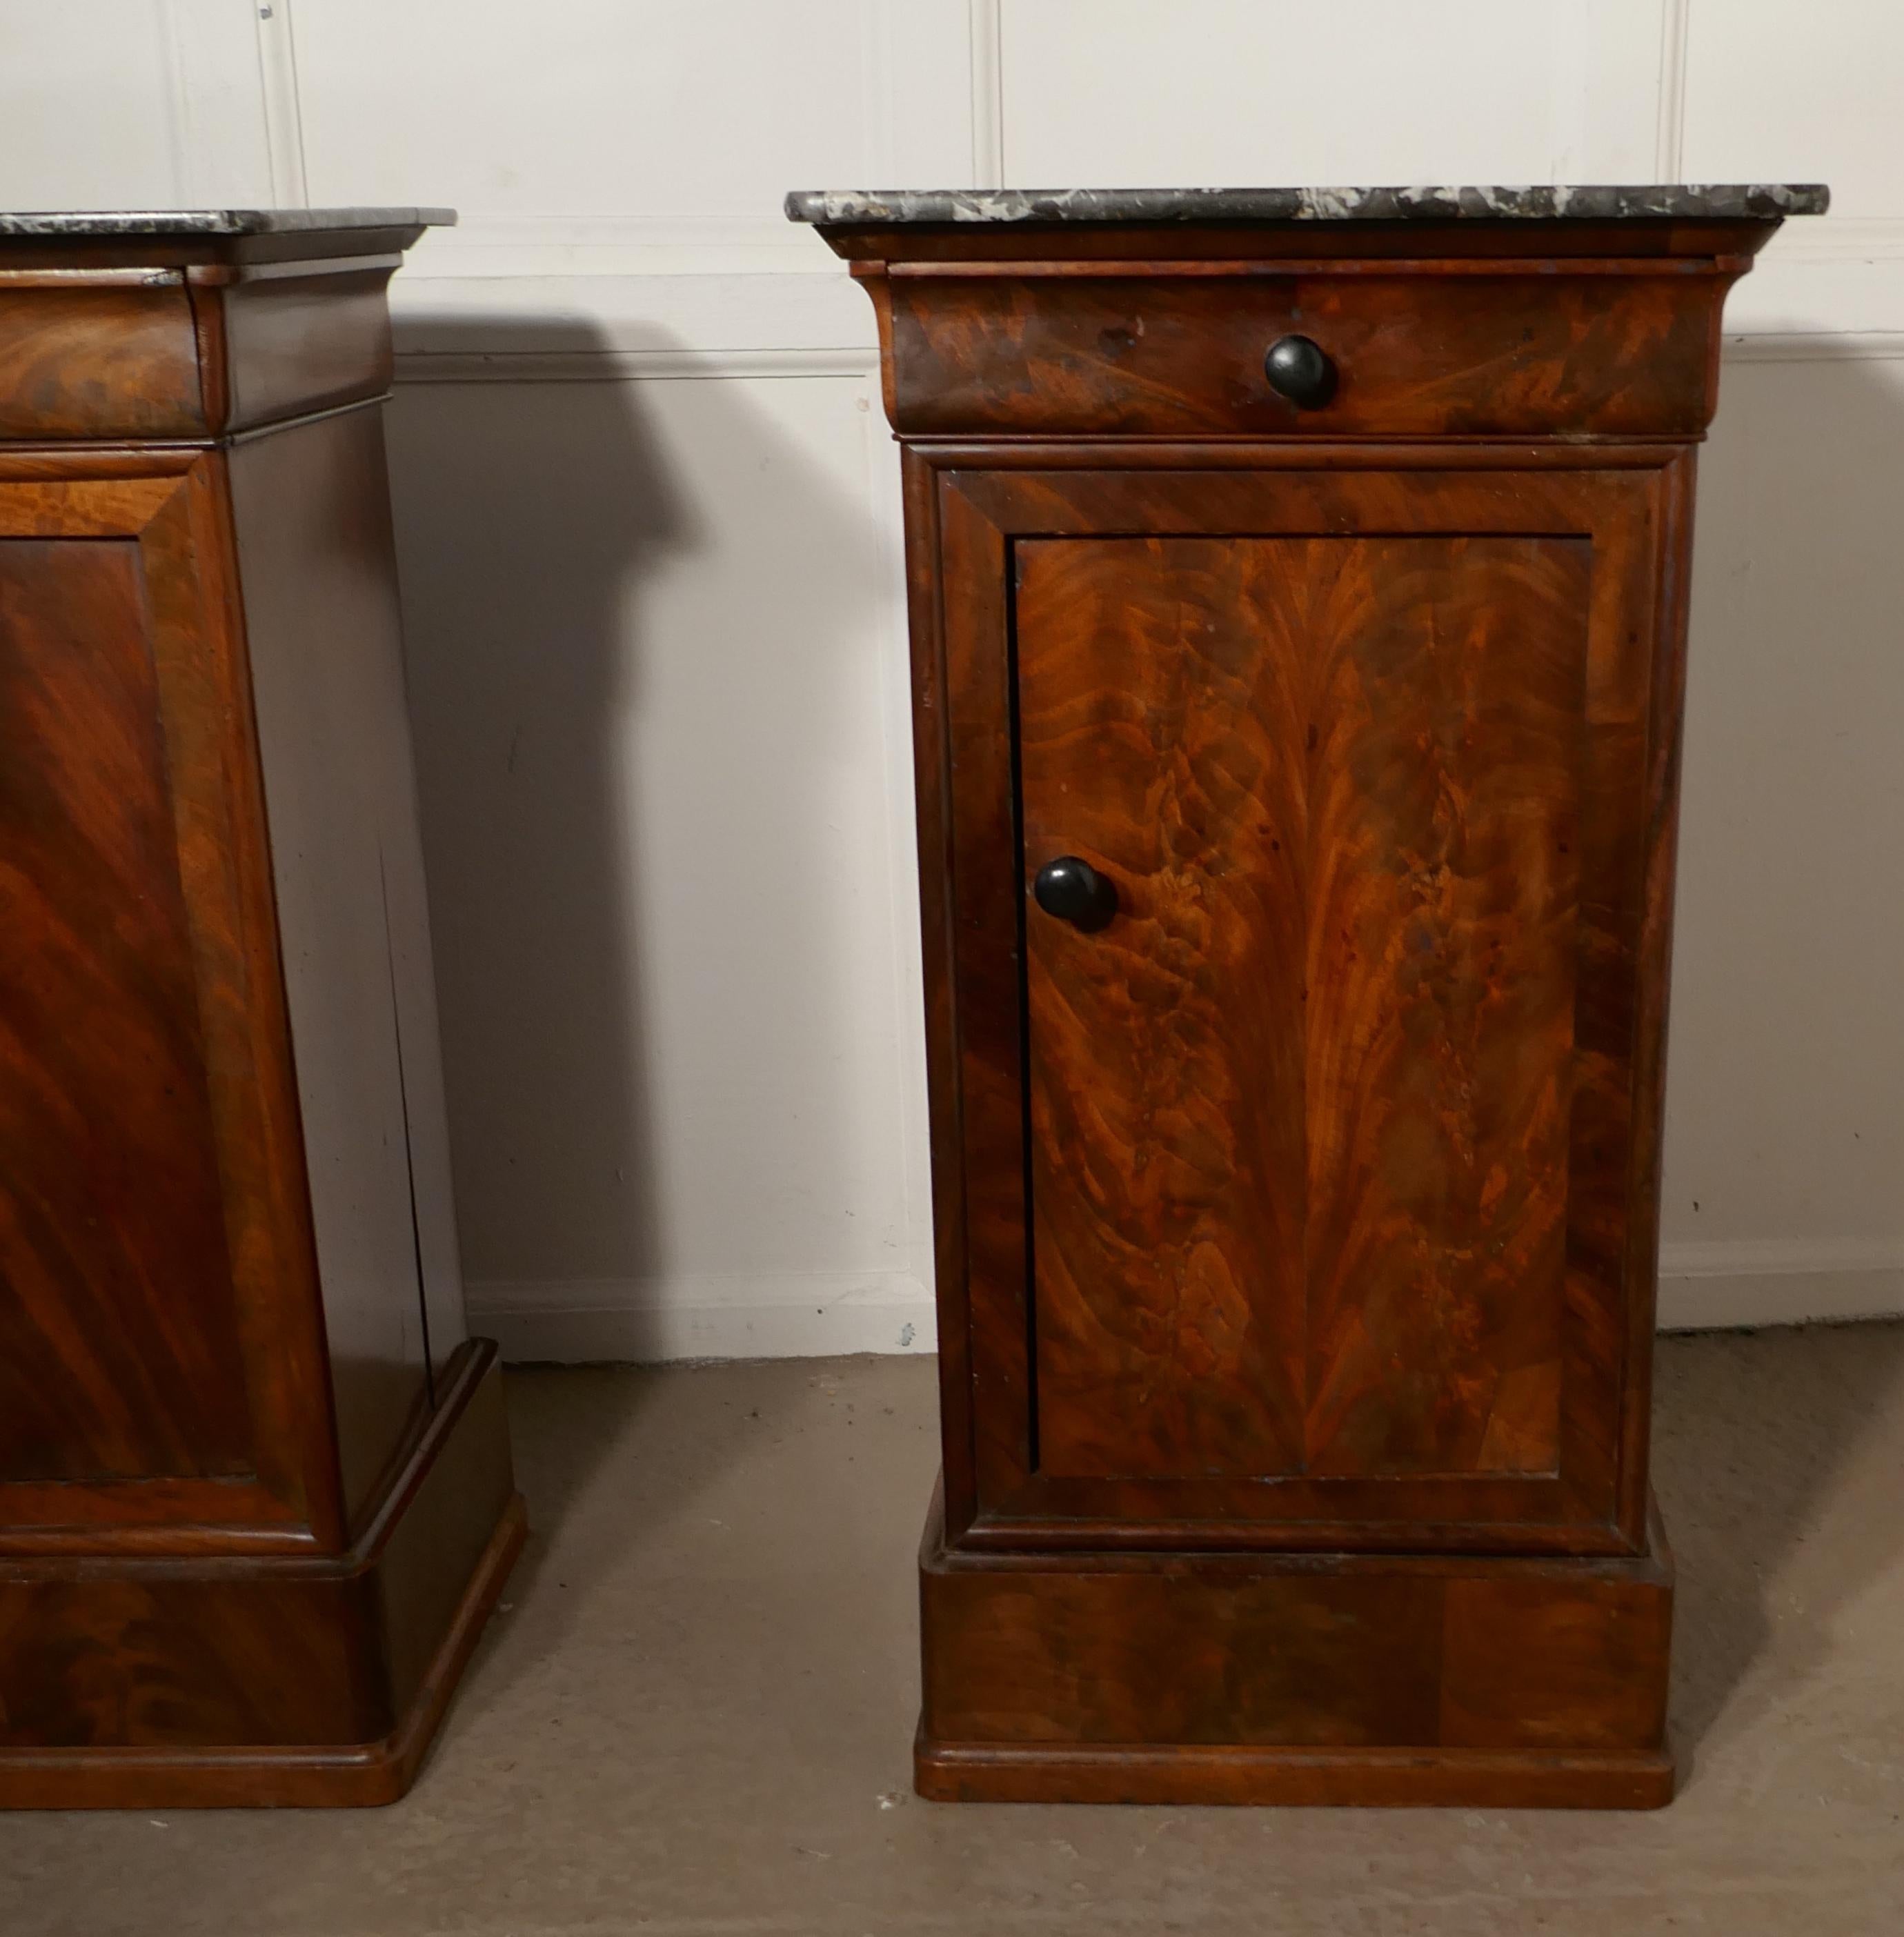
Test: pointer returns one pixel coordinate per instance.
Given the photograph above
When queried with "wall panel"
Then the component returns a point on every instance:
(654, 660)
(1817, 104)
(648, 520)
(1125, 93)
(144, 103)
(605, 137)
(1784, 1148)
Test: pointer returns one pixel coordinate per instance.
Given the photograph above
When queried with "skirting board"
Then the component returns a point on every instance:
(1779, 1281)
(1703, 1288)
(575, 1321)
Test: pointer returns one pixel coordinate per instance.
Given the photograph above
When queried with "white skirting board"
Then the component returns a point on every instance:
(1779, 1281)
(573, 1321)
(577, 1320)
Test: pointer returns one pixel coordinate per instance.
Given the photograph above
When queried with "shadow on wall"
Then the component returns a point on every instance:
(1787, 1057)
(637, 933)
(1786, 1054)
(565, 810)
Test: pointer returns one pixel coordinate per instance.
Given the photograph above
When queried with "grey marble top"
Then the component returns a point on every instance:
(1767, 201)
(75, 222)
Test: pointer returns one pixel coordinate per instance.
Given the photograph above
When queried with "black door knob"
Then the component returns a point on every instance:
(1300, 370)
(1075, 891)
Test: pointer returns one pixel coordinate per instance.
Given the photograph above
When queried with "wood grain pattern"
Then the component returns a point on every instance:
(1442, 925)
(1164, 354)
(119, 1355)
(933, 806)
(138, 341)
(990, 1094)
(245, 1549)
(265, 1775)
(1294, 1679)
(159, 1662)
(1296, 1230)
(193, 587)
(1299, 1117)
(166, 1683)
(1039, 500)
(169, 506)
(108, 360)
(1160, 738)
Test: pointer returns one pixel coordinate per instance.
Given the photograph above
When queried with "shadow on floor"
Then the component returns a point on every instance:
(549, 513)
(1764, 1443)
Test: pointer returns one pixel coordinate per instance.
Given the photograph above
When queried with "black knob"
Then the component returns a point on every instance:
(1300, 371)
(1075, 891)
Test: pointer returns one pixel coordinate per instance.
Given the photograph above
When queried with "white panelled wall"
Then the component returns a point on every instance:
(648, 514)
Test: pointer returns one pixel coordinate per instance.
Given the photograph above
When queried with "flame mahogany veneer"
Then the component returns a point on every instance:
(255, 1494)
(1296, 1224)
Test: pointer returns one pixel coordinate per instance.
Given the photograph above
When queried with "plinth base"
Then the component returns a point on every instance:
(1469, 1681)
(143, 1682)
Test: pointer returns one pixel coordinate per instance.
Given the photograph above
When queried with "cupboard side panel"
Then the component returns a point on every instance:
(310, 510)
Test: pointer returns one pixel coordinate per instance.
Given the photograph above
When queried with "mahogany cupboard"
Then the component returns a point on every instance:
(255, 1495)
(1298, 603)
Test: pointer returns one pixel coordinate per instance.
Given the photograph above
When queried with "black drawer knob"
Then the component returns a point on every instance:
(1075, 891)
(1300, 370)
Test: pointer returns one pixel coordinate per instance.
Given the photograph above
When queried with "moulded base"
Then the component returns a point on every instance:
(282, 1680)
(1490, 1682)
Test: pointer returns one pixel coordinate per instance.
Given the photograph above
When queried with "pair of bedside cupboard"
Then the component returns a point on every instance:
(1298, 585)
(255, 1493)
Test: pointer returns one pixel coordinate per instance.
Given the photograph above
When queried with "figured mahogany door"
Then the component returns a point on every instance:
(1299, 1110)
(118, 1338)
(159, 1348)
(1332, 1216)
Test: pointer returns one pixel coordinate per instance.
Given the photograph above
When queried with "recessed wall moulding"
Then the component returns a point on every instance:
(1299, 587)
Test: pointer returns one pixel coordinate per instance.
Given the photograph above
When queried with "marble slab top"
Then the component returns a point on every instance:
(74, 223)
(1765, 200)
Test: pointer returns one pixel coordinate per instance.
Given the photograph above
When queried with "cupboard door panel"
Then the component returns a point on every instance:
(1156, 727)
(120, 1354)
(1299, 1117)
(1442, 913)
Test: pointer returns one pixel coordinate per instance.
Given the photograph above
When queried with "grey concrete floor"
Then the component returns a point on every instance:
(695, 1713)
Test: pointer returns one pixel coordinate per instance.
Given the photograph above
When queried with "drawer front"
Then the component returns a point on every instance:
(1304, 1178)
(1413, 355)
(113, 355)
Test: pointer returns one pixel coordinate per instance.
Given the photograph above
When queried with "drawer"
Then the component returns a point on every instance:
(1461, 350)
(138, 354)
(109, 354)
